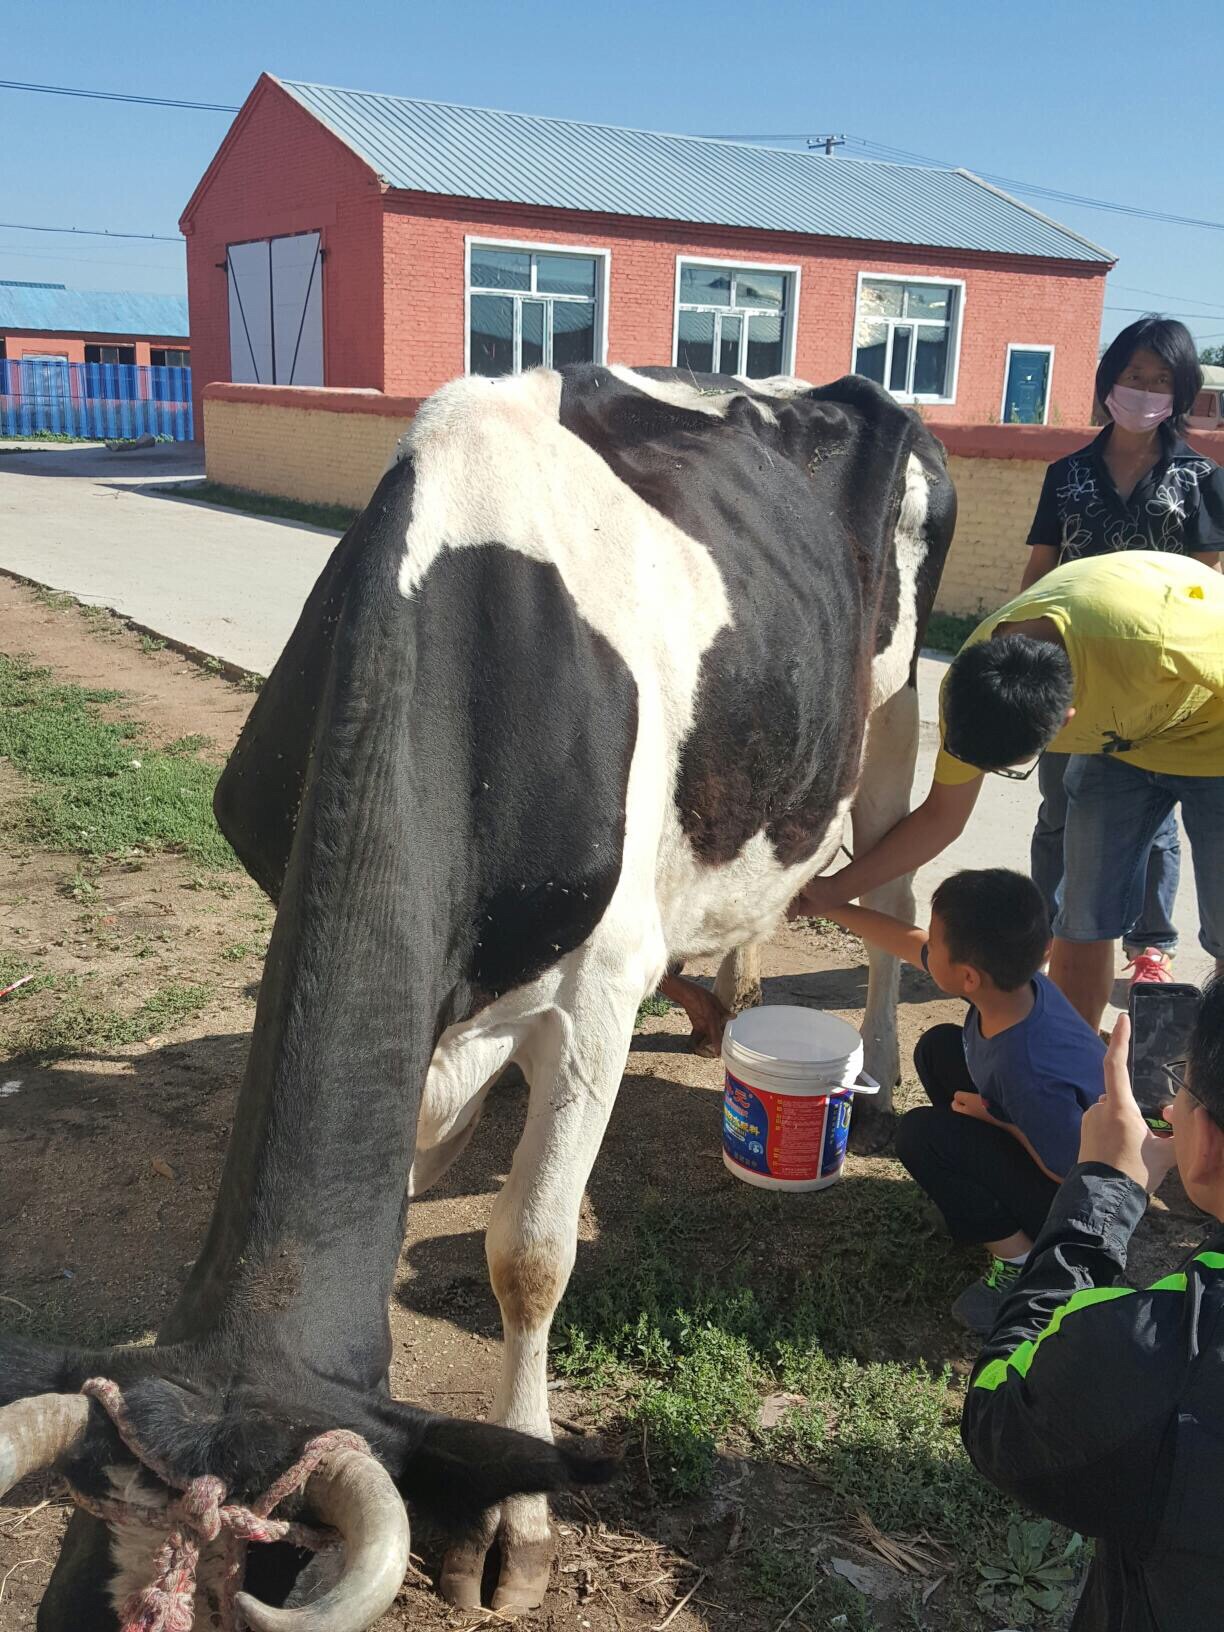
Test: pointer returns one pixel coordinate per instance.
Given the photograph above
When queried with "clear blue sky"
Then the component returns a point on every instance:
(1119, 101)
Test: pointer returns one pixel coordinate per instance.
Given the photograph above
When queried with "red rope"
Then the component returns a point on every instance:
(197, 1516)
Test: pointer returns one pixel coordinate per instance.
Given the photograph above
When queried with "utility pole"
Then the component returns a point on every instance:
(828, 142)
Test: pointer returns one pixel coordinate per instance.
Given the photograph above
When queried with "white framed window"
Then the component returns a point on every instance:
(907, 334)
(735, 318)
(1028, 376)
(534, 305)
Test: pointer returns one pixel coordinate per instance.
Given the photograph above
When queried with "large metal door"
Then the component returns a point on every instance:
(276, 310)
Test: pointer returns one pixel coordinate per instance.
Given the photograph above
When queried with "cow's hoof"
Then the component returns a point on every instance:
(871, 1131)
(463, 1572)
(525, 1573)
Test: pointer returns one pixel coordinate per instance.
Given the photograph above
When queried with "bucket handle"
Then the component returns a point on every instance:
(863, 1084)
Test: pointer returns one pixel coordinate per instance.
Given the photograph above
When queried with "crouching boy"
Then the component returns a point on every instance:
(1007, 1089)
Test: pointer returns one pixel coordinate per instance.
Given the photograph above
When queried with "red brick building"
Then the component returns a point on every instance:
(341, 238)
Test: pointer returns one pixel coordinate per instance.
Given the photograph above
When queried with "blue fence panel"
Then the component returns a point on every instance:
(101, 401)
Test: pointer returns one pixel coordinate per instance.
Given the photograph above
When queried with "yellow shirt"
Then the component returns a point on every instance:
(1145, 634)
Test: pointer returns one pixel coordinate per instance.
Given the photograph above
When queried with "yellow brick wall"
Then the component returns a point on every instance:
(326, 457)
(996, 499)
(299, 453)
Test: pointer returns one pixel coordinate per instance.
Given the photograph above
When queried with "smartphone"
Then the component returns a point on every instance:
(1162, 1017)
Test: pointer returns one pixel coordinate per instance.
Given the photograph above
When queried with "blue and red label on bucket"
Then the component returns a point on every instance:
(786, 1136)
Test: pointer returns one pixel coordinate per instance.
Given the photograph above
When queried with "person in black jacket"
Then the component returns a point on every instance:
(1100, 1406)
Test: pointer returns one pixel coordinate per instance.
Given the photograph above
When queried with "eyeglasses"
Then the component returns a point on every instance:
(1176, 1073)
(1006, 771)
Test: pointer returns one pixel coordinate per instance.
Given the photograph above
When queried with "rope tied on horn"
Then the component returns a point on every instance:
(193, 1513)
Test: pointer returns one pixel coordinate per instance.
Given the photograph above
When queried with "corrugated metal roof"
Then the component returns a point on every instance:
(515, 158)
(91, 311)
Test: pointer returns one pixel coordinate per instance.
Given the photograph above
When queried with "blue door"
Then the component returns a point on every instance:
(1028, 385)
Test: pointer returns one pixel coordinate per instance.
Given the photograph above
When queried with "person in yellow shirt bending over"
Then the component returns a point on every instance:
(1117, 660)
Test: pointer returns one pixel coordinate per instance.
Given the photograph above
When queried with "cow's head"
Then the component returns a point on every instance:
(332, 800)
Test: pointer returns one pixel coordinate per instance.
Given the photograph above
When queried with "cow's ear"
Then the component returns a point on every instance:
(260, 790)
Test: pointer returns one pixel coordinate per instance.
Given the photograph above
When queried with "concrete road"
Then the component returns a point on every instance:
(103, 527)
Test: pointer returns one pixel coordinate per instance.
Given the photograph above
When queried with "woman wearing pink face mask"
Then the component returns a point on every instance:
(1138, 486)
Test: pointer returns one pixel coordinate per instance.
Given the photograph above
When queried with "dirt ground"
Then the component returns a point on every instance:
(108, 1167)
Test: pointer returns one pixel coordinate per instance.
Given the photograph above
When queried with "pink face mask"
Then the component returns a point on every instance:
(1138, 410)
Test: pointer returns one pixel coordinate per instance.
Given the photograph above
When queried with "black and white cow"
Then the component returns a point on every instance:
(590, 687)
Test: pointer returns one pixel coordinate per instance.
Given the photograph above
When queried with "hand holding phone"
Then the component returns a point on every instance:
(1162, 1016)
(1114, 1132)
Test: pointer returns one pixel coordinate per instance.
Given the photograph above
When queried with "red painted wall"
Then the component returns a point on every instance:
(1024, 302)
(72, 346)
(279, 171)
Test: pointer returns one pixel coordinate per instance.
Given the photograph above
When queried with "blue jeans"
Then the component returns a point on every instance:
(1114, 811)
(1150, 915)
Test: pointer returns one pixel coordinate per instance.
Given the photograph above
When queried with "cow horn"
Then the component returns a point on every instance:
(37, 1431)
(356, 1496)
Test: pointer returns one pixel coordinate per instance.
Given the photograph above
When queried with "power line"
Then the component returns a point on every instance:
(94, 232)
(116, 96)
(84, 260)
(1173, 311)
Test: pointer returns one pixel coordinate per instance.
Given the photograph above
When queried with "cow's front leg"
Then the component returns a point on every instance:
(575, 1068)
(881, 801)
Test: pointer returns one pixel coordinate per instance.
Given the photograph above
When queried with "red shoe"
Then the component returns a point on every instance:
(1150, 966)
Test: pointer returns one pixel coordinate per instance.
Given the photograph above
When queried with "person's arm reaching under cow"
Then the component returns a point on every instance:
(917, 838)
(890, 934)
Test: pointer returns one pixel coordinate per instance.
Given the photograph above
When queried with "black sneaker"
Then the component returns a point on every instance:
(979, 1304)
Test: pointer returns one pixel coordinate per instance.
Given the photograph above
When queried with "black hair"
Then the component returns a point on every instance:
(1207, 1051)
(1173, 344)
(996, 921)
(1005, 699)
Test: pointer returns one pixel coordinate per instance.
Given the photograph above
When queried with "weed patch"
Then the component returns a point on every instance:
(100, 789)
(948, 631)
(334, 517)
(80, 1024)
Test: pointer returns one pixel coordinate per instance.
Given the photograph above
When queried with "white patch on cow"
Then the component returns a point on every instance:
(698, 399)
(890, 669)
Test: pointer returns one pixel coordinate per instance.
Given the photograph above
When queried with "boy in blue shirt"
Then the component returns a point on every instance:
(1008, 1088)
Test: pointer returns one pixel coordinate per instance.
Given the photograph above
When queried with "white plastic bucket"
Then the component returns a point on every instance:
(791, 1077)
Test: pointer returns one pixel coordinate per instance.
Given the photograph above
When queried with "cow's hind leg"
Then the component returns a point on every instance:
(574, 1060)
(881, 801)
(737, 986)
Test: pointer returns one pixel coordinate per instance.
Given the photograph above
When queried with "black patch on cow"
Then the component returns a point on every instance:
(798, 510)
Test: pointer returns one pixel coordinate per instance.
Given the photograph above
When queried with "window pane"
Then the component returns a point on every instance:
(761, 289)
(764, 347)
(705, 285)
(696, 344)
(573, 333)
(928, 300)
(878, 299)
(729, 347)
(500, 268)
(931, 366)
(533, 334)
(566, 275)
(898, 373)
(870, 345)
(492, 335)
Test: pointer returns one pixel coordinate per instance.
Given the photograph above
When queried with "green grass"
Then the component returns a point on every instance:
(654, 1006)
(99, 788)
(686, 1357)
(334, 517)
(948, 631)
(80, 1025)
